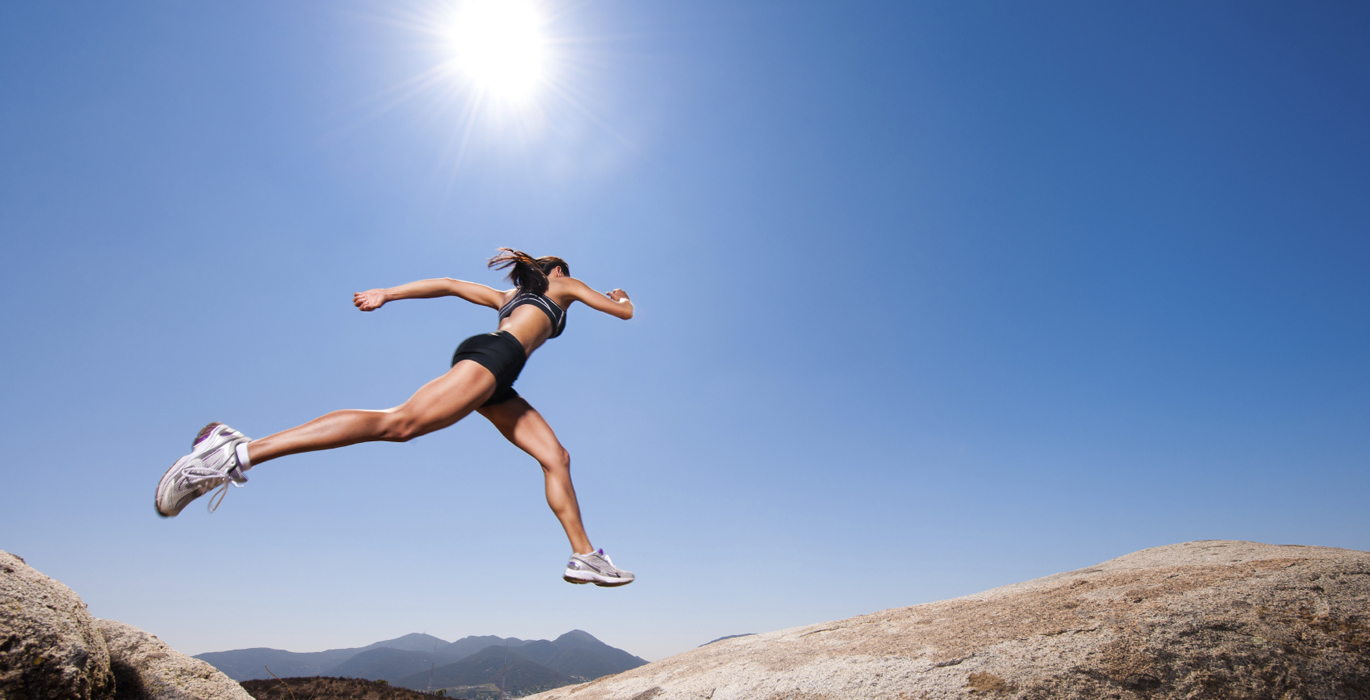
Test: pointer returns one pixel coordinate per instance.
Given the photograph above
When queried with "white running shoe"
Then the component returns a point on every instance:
(596, 568)
(213, 461)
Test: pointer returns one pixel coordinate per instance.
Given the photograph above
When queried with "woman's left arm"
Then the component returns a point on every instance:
(615, 303)
(427, 289)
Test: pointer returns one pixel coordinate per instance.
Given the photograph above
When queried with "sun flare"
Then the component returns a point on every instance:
(499, 46)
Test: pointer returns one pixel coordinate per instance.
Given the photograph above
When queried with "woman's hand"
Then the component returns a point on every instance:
(369, 300)
(617, 295)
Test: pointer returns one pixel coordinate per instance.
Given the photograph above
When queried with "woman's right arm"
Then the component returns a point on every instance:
(427, 289)
(615, 303)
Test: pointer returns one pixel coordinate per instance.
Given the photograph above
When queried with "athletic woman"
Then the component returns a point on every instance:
(481, 379)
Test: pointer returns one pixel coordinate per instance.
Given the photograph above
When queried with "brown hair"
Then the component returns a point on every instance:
(529, 273)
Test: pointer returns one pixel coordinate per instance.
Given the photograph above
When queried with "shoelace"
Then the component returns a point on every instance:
(612, 569)
(199, 475)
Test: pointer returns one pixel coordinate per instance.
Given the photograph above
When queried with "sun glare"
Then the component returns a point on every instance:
(499, 46)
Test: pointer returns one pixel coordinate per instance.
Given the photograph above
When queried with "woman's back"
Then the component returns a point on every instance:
(533, 318)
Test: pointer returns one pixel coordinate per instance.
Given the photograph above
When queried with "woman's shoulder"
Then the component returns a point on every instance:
(564, 290)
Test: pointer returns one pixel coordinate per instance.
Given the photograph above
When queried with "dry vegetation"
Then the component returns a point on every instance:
(318, 688)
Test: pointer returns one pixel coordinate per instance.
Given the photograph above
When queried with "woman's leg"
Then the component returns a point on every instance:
(435, 406)
(528, 430)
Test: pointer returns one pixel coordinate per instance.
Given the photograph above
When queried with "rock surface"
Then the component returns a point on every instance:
(1215, 619)
(52, 649)
(49, 645)
(145, 668)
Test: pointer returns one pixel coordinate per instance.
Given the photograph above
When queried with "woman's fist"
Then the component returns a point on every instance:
(369, 300)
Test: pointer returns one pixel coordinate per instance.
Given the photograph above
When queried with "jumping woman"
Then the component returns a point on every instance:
(481, 379)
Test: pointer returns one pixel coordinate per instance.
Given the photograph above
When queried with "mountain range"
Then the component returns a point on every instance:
(422, 661)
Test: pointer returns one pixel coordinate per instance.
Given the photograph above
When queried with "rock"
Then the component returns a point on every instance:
(52, 649)
(147, 669)
(1215, 619)
(49, 645)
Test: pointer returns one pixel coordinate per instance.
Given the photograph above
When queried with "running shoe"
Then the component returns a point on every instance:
(596, 568)
(212, 462)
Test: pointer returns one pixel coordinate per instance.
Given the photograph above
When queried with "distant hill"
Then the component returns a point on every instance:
(247, 664)
(574, 655)
(393, 663)
(731, 636)
(467, 646)
(411, 642)
(503, 666)
(579, 654)
(328, 689)
(389, 664)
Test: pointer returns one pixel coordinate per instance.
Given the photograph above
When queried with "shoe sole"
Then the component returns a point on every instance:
(601, 582)
(157, 495)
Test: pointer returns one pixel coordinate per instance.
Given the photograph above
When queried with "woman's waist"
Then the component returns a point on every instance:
(527, 335)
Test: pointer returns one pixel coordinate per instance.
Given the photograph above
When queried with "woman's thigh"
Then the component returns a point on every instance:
(522, 425)
(448, 398)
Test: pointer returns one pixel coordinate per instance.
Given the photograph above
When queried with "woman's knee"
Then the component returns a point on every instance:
(400, 426)
(558, 461)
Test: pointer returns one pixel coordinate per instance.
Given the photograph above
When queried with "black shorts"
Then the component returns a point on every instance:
(499, 352)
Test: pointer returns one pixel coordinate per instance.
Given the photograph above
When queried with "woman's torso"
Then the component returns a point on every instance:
(535, 318)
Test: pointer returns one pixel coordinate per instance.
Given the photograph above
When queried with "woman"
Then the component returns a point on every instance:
(481, 379)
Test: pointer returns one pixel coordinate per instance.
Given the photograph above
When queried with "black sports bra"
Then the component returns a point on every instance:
(555, 314)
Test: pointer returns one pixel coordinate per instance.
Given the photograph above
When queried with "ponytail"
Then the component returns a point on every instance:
(529, 274)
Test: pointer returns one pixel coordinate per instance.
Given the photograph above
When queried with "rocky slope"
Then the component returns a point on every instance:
(52, 649)
(1216, 619)
(49, 644)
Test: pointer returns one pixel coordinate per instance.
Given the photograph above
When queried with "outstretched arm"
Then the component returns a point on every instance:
(427, 289)
(615, 303)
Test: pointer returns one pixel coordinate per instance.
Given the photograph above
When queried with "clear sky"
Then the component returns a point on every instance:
(931, 297)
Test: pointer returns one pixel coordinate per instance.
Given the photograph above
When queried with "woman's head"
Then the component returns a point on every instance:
(529, 273)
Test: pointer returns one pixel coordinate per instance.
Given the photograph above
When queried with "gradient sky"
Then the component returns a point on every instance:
(931, 298)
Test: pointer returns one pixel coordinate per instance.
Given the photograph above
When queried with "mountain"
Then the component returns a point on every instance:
(388, 664)
(577, 653)
(411, 642)
(247, 664)
(574, 654)
(467, 646)
(506, 667)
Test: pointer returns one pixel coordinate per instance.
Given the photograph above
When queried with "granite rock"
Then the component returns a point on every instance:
(50, 647)
(145, 668)
(1213, 619)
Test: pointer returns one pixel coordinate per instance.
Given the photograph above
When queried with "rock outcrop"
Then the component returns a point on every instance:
(49, 645)
(1216, 619)
(52, 649)
(145, 668)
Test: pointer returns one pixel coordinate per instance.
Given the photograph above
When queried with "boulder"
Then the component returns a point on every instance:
(1215, 619)
(49, 645)
(147, 669)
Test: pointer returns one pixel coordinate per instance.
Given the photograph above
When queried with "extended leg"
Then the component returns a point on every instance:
(435, 406)
(522, 425)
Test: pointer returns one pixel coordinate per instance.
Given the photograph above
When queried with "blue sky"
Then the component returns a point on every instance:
(931, 297)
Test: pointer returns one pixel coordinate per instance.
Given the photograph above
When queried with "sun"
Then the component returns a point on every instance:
(499, 46)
